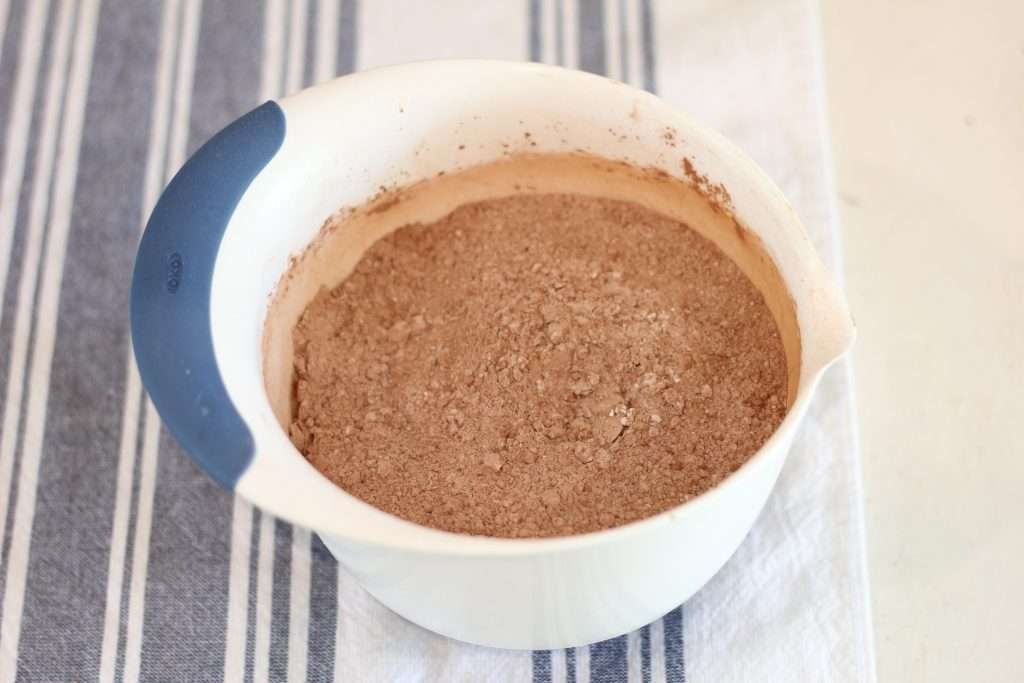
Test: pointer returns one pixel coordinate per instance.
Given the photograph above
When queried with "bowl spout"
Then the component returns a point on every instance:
(830, 329)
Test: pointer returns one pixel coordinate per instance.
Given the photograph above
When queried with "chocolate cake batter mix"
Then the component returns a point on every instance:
(537, 366)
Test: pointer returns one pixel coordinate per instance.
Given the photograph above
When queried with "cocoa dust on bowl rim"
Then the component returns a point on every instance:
(215, 348)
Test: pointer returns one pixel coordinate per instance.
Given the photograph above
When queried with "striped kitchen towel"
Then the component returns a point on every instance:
(122, 561)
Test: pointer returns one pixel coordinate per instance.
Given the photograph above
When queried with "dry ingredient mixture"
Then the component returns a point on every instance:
(537, 366)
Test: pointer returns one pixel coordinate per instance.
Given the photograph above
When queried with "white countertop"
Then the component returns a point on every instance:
(926, 104)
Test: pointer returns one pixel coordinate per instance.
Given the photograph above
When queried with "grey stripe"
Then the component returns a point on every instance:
(647, 33)
(190, 546)
(542, 666)
(4, 14)
(280, 604)
(645, 654)
(254, 578)
(675, 669)
(312, 17)
(533, 21)
(348, 39)
(9, 46)
(559, 31)
(591, 36)
(623, 39)
(10, 303)
(323, 612)
(282, 75)
(608, 661)
(570, 665)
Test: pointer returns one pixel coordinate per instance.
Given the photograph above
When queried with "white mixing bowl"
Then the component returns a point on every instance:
(229, 224)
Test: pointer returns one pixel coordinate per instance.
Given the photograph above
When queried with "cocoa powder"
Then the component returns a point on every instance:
(537, 366)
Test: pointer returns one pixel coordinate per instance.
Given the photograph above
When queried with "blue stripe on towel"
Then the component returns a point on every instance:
(542, 666)
(608, 661)
(645, 653)
(675, 670)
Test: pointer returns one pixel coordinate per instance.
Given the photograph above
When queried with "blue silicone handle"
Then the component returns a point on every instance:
(170, 299)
